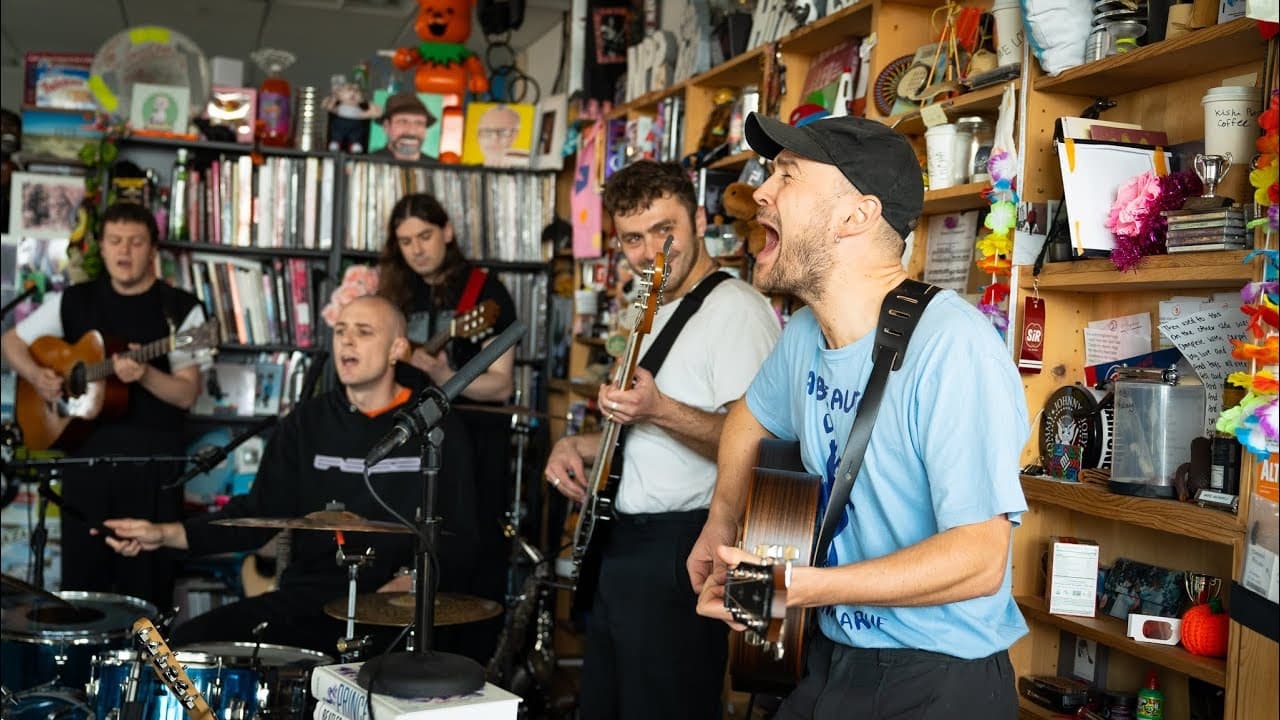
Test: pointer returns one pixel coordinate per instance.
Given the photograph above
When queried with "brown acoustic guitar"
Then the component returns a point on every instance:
(473, 324)
(781, 526)
(90, 389)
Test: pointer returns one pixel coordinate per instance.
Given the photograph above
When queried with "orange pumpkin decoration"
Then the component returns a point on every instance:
(1204, 630)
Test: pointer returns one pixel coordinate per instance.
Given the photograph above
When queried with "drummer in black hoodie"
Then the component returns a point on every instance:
(315, 457)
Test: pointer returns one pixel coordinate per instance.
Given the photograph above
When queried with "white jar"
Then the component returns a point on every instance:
(1009, 31)
(1231, 122)
(939, 142)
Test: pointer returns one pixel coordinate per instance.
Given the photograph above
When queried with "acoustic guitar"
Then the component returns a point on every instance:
(781, 526)
(171, 673)
(90, 389)
(473, 324)
(602, 489)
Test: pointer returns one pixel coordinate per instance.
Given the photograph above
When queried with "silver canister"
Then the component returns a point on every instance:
(974, 157)
(309, 132)
(750, 102)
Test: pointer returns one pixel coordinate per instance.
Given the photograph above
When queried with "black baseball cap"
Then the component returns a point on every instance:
(877, 159)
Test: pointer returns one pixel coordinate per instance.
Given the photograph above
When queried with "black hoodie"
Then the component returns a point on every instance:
(316, 456)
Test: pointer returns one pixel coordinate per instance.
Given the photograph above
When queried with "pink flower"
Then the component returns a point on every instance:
(357, 281)
(1135, 200)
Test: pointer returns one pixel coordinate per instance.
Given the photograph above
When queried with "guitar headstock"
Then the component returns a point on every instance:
(653, 281)
(756, 596)
(202, 336)
(170, 672)
(477, 322)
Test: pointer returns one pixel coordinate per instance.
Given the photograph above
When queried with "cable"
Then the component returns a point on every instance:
(368, 695)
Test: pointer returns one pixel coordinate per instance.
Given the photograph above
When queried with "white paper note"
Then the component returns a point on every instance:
(950, 252)
(1204, 339)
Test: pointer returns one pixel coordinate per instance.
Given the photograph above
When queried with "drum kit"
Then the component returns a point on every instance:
(73, 655)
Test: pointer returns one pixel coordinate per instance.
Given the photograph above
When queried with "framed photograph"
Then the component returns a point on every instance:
(270, 379)
(44, 206)
(160, 108)
(430, 142)
(549, 140)
(498, 134)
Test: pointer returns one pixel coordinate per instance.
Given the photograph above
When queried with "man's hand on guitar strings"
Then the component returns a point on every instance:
(127, 369)
(711, 599)
(48, 384)
(643, 401)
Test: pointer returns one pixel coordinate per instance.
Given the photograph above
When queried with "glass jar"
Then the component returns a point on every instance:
(981, 136)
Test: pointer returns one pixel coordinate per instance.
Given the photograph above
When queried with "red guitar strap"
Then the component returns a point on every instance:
(471, 293)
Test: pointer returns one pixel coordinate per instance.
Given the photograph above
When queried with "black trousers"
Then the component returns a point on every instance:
(847, 682)
(648, 653)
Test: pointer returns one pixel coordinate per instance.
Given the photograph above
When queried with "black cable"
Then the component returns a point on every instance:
(368, 695)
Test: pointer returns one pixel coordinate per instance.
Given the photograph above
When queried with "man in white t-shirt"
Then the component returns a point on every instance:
(648, 654)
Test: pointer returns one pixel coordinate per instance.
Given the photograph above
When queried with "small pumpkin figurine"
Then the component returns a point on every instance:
(1204, 629)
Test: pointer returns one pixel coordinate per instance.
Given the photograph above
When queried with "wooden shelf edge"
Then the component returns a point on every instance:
(1168, 516)
(574, 386)
(1111, 632)
(646, 101)
(955, 198)
(810, 37)
(1214, 268)
(987, 98)
(1228, 43)
(729, 67)
(733, 161)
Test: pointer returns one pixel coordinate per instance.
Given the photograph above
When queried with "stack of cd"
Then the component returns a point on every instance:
(1118, 26)
(309, 134)
(1216, 229)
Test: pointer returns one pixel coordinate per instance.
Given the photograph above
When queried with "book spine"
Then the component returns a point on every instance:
(300, 286)
(327, 204)
(340, 697)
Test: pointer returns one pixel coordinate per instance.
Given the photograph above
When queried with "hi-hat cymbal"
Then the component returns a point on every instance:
(320, 520)
(396, 609)
(16, 591)
(501, 410)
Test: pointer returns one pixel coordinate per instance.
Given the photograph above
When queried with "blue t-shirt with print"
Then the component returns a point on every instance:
(944, 453)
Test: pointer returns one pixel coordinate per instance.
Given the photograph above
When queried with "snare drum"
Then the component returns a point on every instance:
(45, 702)
(223, 673)
(45, 643)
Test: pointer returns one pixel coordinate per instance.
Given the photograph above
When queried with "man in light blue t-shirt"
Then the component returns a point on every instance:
(915, 606)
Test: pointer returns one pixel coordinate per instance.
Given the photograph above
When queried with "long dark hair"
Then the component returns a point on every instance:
(396, 280)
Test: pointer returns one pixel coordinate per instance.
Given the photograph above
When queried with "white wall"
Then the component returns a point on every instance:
(541, 59)
(11, 88)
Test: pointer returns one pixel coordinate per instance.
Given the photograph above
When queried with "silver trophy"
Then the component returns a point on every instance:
(1211, 169)
(1201, 587)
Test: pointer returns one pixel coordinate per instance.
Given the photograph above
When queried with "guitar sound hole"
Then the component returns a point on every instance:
(77, 381)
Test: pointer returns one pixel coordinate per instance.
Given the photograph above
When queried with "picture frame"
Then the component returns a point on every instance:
(498, 134)
(549, 138)
(44, 206)
(159, 108)
(435, 110)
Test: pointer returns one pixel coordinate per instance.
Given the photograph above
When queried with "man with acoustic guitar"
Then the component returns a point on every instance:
(127, 305)
(648, 654)
(913, 600)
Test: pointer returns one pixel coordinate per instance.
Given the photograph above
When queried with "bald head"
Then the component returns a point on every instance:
(380, 308)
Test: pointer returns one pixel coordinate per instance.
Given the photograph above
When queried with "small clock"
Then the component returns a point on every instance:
(1076, 415)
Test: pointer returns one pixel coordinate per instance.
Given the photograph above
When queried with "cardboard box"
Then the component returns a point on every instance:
(1072, 587)
(58, 80)
(1154, 629)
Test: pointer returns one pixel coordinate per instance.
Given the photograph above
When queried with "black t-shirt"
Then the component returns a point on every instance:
(126, 319)
(440, 310)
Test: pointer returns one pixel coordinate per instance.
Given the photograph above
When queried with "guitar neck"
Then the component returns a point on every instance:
(612, 430)
(144, 354)
(436, 343)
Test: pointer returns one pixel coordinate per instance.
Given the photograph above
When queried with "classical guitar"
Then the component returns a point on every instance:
(171, 673)
(90, 389)
(781, 526)
(597, 507)
(473, 324)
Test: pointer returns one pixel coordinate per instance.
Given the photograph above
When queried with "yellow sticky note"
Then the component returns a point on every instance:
(149, 34)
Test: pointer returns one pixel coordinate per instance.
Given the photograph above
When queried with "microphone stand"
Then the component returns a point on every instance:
(424, 672)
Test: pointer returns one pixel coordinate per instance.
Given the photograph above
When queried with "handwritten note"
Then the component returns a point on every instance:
(1204, 339)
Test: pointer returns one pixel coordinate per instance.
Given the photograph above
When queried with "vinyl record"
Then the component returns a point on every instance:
(886, 88)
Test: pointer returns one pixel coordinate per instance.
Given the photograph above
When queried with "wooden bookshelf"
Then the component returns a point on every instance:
(826, 32)
(1110, 631)
(983, 100)
(1214, 268)
(955, 199)
(736, 160)
(1166, 515)
(245, 251)
(1200, 51)
(741, 70)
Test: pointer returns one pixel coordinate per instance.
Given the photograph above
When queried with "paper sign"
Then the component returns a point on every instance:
(1204, 340)
(950, 252)
(1119, 337)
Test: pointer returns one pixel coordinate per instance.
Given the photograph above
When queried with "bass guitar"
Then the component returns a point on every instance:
(602, 489)
(90, 389)
(170, 671)
(780, 526)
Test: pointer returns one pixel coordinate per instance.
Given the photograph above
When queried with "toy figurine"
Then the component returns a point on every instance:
(349, 116)
(444, 65)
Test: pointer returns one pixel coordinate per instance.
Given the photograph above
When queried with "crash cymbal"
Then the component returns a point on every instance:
(16, 591)
(501, 410)
(320, 520)
(396, 609)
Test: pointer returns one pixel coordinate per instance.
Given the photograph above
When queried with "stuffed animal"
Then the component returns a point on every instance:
(349, 116)
(741, 207)
(445, 65)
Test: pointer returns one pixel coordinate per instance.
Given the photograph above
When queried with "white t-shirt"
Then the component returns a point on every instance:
(710, 365)
(47, 320)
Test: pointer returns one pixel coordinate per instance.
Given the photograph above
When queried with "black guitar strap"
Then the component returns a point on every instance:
(899, 313)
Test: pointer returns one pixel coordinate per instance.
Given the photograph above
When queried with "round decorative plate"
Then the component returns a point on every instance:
(885, 91)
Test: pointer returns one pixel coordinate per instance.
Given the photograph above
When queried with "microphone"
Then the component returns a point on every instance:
(208, 458)
(432, 403)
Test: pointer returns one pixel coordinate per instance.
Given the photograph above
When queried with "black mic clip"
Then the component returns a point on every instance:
(417, 418)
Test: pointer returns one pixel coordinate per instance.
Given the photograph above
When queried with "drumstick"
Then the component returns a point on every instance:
(75, 512)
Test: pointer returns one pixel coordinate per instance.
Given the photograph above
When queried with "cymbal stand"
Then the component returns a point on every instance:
(352, 563)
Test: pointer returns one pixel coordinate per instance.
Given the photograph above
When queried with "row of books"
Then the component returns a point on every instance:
(283, 203)
(495, 215)
(339, 696)
(273, 301)
(253, 385)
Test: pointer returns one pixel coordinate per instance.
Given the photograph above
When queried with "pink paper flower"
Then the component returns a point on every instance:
(357, 281)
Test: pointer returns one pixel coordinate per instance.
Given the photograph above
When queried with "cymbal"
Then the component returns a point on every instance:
(13, 589)
(333, 520)
(396, 609)
(501, 410)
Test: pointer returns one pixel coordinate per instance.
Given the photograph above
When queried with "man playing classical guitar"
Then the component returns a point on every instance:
(648, 654)
(127, 305)
(916, 614)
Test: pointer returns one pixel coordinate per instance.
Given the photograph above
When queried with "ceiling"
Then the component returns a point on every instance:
(327, 36)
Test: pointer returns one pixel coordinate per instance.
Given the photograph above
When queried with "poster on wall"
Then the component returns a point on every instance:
(430, 141)
(584, 200)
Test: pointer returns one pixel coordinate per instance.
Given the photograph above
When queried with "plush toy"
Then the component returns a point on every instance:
(349, 116)
(1204, 629)
(444, 65)
(741, 207)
